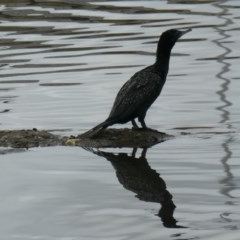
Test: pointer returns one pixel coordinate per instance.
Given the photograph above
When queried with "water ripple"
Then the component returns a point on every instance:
(62, 63)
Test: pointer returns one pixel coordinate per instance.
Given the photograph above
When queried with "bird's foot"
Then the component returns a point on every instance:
(141, 129)
(135, 128)
(146, 129)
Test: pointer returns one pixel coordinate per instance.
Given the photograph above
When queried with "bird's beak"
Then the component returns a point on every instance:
(184, 32)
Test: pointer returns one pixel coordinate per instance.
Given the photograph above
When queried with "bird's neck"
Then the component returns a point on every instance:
(162, 67)
(162, 61)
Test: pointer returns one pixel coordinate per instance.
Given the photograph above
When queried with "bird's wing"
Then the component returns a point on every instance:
(136, 92)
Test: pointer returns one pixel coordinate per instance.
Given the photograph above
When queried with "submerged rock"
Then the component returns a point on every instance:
(120, 138)
(107, 138)
(28, 138)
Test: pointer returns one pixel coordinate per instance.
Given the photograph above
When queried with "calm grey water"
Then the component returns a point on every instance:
(61, 65)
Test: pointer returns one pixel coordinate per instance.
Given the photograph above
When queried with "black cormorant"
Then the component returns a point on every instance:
(141, 90)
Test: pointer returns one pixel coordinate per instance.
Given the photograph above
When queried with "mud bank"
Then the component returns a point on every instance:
(108, 138)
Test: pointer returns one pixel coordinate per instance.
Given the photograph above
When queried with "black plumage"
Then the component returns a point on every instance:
(141, 90)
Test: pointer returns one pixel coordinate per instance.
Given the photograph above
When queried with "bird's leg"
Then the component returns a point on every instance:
(141, 120)
(144, 152)
(134, 151)
(135, 126)
(144, 126)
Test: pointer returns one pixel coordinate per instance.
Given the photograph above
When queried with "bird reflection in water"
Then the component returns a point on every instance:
(136, 175)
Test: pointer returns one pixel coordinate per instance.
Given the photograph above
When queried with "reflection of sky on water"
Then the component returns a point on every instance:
(227, 182)
(61, 66)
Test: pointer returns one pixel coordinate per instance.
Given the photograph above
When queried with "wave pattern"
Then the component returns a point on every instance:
(61, 65)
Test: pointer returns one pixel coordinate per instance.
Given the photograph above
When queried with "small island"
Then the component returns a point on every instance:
(113, 138)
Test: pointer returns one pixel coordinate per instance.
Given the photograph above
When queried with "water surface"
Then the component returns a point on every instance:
(61, 65)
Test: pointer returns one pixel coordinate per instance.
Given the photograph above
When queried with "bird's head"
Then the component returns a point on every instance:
(170, 37)
(165, 45)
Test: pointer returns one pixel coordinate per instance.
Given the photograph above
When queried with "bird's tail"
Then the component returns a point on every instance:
(97, 129)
